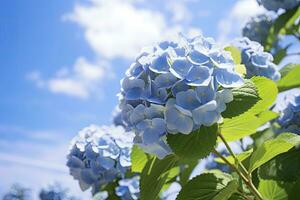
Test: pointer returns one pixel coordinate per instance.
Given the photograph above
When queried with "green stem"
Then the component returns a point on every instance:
(246, 177)
(236, 160)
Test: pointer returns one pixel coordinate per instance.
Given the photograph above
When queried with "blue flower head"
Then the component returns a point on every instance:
(129, 189)
(257, 28)
(256, 61)
(289, 119)
(275, 5)
(176, 87)
(99, 155)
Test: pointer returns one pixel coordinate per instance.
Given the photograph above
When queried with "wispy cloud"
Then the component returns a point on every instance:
(232, 24)
(114, 29)
(33, 163)
(81, 80)
(118, 28)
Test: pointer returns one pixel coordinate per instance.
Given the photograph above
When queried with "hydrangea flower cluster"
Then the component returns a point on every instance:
(289, 119)
(275, 5)
(256, 61)
(172, 192)
(176, 87)
(257, 28)
(129, 189)
(55, 192)
(98, 155)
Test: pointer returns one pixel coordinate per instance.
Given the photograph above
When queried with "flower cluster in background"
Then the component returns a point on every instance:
(128, 189)
(176, 87)
(256, 61)
(289, 119)
(275, 5)
(257, 28)
(99, 155)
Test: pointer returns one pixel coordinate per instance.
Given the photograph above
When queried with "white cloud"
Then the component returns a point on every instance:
(80, 81)
(118, 28)
(232, 25)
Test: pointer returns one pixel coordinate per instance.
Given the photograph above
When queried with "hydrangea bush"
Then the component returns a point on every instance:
(258, 27)
(181, 99)
(275, 5)
(176, 87)
(256, 60)
(289, 119)
(99, 155)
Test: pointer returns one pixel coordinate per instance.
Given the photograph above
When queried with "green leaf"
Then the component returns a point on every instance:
(186, 171)
(195, 145)
(138, 159)
(284, 167)
(267, 91)
(244, 98)
(235, 53)
(272, 148)
(280, 54)
(266, 116)
(154, 175)
(294, 193)
(280, 26)
(209, 186)
(241, 157)
(290, 80)
(272, 190)
(287, 68)
(239, 127)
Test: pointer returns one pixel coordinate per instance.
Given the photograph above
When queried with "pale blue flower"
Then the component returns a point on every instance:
(257, 28)
(168, 90)
(199, 76)
(275, 5)
(180, 67)
(178, 120)
(152, 129)
(172, 192)
(98, 155)
(206, 114)
(187, 99)
(256, 61)
(128, 189)
(289, 119)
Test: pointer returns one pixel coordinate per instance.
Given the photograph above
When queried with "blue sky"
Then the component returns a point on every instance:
(61, 64)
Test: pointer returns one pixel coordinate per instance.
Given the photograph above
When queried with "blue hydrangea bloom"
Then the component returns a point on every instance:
(172, 192)
(257, 28)
(55, 192)
(275, 5)
(256, 61)
(289, 119)
(129, 189)
(176, 87)
(98, 155)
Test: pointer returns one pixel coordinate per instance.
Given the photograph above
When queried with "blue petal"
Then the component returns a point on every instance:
(154, 111)
(228, 79)
(166, 80)
(176, 121)
(138, 114)
(206, 93)
(199, 76)
(187, 99)
(88, 176)
(180, 67)
(158, 95)
(179, 87)
(206, 114)
(160, 64)
(198, 58)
